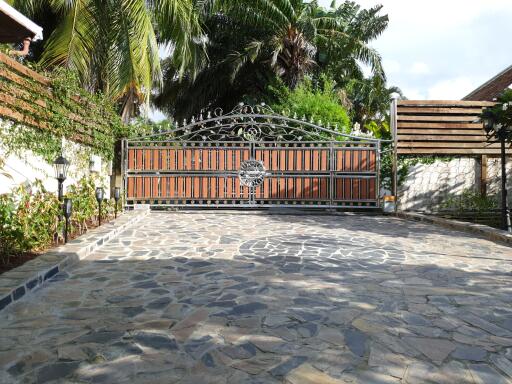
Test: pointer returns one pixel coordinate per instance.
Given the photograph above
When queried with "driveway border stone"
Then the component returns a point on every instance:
(485, 231)
(19, 281)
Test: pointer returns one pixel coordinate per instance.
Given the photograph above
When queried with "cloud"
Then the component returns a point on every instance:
(391, 66)
(443, 48)
(420, 68)
(413, 94)
(451, 89)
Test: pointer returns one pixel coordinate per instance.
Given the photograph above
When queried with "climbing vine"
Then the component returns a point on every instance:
(38, 117)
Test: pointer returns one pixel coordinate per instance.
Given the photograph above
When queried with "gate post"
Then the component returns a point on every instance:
(124, 170)
(394, 119)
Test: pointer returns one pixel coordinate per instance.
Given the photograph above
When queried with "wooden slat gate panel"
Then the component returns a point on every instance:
(311, 174)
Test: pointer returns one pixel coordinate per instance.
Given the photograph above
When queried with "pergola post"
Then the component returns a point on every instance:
(393, 122)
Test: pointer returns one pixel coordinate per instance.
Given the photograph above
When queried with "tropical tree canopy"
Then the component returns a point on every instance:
(370, 98)
(250, 43)
(113, 45)
(296, 35)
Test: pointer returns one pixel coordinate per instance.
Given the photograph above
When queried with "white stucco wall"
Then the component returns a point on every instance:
(28, 167)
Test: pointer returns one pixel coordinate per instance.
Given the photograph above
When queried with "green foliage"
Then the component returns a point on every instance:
(142, 127)
(378, 129)
(500, 117)
(470, 200)
(113, 45)
(16, 138)
(29, 221)
(85, 206)
(370, 99)
(252, 43)
(320, 104)
(71, 112)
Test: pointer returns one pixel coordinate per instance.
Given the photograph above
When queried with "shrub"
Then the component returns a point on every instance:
(470, 200)
(29, 220)
(317, 103)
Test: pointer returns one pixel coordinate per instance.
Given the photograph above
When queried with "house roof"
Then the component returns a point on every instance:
(492, 88)
(14, 27)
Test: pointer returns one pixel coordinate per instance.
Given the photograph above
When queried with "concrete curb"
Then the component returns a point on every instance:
(19, 281)
(485, 231)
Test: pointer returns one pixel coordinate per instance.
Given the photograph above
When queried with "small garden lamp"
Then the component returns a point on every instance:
(61, 166)
(99, 198)
(117, 196)
(67, 210)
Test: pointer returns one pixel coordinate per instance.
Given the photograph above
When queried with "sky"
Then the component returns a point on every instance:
(443, 49)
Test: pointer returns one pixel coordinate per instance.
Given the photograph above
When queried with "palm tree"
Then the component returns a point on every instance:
(299, 35)
(251, 42)
(114, 44)
(370, 99)
(342, 49)
(214, 85)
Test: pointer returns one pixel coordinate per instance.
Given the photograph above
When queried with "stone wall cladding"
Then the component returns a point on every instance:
(494, 177)
(427, 185)
(20, 281)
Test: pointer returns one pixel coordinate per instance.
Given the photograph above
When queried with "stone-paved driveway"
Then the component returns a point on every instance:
(239, 298)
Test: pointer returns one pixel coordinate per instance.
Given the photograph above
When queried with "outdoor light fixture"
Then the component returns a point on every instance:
(67, 208)
(117, 196)
(61, 166)
(99, 198)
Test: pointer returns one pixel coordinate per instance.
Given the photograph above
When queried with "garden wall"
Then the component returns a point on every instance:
(41, 116)
(25, 168)
(428, 185)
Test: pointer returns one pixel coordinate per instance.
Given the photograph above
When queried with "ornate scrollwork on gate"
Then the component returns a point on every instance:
(258, 123)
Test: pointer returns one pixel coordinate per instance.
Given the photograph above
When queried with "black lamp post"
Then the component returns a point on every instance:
(67, 210)
(117, 196)
(61, 166)
(501, 132)
(99, 198)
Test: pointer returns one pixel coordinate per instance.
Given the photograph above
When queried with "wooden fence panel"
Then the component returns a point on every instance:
(442, 127)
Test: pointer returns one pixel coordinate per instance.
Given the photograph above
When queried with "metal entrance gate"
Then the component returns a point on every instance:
(252, 157)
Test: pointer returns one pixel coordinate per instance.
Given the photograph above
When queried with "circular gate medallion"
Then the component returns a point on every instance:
(252, 173)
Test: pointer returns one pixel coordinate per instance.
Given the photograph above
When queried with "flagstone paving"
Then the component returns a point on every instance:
(251, 298)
